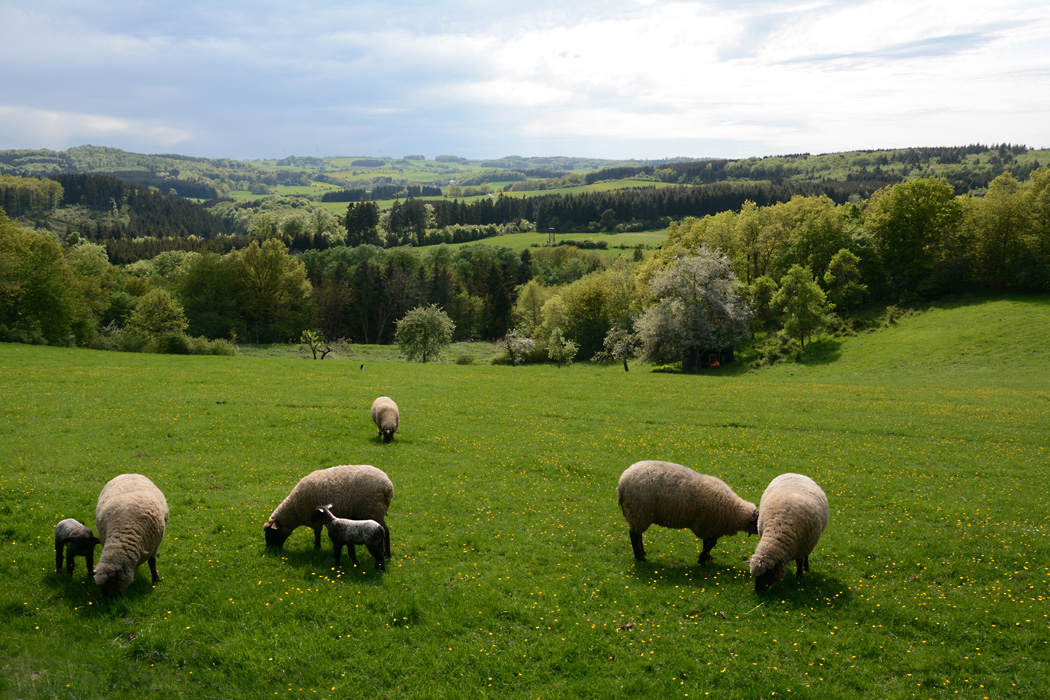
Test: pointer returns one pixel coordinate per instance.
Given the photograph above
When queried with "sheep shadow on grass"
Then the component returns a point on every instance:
(815, 586)
(312, 563)
(688, 575)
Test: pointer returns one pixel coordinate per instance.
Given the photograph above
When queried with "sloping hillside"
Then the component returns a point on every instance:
(982, 341)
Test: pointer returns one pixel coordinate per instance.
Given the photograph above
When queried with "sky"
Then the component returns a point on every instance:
(617, 79)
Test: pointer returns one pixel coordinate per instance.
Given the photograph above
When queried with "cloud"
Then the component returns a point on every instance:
(36, 128)
(264, 78)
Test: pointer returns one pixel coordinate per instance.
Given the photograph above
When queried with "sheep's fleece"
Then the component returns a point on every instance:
(386, 417)
(131, 516)
(356, 492)
(792, 516)
(668, 494)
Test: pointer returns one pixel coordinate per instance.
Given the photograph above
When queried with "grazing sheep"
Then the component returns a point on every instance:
(792, 515)
(663, 493)
(352, 532)
(356, 491)
(78, 541)
(385, 416)
(131, 516)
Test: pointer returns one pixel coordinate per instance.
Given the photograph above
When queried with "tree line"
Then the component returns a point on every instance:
(780, 271)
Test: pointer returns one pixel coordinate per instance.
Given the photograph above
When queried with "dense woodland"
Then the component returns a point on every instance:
(86, 249)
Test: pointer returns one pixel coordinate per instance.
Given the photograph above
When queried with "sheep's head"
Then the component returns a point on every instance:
(766, 572)
(388, 433)
(752, 524)
(113, 579)
(275, 534)
(322, 514)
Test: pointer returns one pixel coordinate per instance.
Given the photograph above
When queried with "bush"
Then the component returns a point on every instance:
(465, 360)
(120, 340)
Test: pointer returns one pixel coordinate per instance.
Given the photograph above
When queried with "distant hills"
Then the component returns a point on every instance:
(968, 168)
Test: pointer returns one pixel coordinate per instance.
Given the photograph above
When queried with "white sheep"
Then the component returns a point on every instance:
(667, 494)
(351, 533)
(131, 516)
(793, 513)
(78, 541)
(385, 416)
(356, 491)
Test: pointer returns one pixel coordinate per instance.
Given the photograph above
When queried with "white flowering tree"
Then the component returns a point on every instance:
(697, 310)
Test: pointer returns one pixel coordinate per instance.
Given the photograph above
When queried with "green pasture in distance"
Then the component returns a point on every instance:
(618, 243)
(512, 574)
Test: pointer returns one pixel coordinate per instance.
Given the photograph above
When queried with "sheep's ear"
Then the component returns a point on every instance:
(330, 506)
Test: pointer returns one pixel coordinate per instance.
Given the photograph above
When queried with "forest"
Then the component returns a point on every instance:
(244, 272)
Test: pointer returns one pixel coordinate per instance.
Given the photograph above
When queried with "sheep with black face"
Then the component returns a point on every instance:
(351, 533)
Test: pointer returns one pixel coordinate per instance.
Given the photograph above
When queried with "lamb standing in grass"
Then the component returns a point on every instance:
(792, 516)
(663, 493)
(356, 491)
(351, 533)
(78, 541)
(385, 416)
(131, 516)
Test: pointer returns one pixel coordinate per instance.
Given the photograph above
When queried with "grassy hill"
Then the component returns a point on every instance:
(512, 573)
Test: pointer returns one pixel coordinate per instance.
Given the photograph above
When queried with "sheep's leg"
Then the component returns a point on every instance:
(153, 568)
(338, 546)
(637, 546)
(705, 555)
(91, 562)
(352, 551)
(801, 566)
(377, 553)
(58, 557)
(70, 562)
(386, 538)
(317, 536)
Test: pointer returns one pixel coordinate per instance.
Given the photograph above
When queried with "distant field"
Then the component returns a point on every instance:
(512, 574)
(618, 243)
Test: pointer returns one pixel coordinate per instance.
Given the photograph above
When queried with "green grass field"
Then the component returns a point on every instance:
(618, 243)
(512, 573)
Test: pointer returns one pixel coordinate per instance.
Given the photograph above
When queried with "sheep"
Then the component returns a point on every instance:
(78, 541)
(352, 532)
(131, 516)
(357, 491)
(675, 496)
(385, 416)
(793, 513)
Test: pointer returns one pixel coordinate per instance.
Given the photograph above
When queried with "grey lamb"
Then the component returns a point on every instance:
(352, 532)
(78, 541)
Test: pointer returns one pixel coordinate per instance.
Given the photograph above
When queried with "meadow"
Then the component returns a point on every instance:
(512, 574)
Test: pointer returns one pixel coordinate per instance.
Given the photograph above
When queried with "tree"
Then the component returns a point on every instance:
(516, 346)
(802, 303)
(424, 333)
(909, 222)
(619, 345)
(561, 350)
(272, 289)
(843, 280)
(362, 223)
(697, 310)
(760, 298)
(37, 287)
(157, 314)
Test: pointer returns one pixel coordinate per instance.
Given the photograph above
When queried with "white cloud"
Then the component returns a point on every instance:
(787, 76)
(37, 128)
